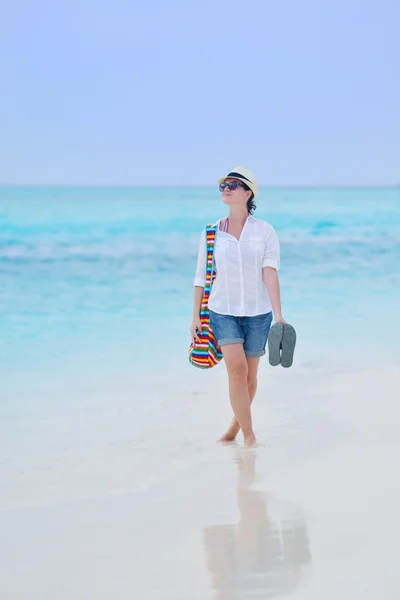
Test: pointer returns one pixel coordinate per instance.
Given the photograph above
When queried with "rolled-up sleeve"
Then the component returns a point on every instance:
(200, 278)
(272, 253)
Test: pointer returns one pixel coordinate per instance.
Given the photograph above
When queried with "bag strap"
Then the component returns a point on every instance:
(211, 234)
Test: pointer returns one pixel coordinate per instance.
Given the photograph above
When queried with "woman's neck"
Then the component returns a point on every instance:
(238, 214)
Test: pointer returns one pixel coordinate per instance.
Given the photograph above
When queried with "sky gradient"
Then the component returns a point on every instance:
(150, 93)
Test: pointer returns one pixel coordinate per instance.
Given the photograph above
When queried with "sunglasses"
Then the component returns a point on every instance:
(232, 186)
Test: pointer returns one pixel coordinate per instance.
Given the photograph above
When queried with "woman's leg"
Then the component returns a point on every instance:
(252, 369)
(238, 370)
(255, 335)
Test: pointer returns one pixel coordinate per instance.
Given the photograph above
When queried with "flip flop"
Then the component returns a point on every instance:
(288, 345)
(274, 344)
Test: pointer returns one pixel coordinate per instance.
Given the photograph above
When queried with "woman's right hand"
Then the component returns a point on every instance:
(196, 328)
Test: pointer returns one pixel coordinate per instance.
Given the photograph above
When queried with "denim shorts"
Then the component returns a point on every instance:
(252, 332)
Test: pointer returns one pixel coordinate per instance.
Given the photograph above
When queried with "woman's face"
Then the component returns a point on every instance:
(237, 196)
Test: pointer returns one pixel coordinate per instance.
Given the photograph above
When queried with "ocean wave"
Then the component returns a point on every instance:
(67, 252)
(180, 247)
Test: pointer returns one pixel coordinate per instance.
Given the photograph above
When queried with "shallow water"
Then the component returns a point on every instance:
(100, 280)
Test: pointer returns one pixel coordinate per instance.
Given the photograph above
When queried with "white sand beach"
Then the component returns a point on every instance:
(91, 506)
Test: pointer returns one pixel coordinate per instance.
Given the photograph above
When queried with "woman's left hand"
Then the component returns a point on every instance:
(279, 319)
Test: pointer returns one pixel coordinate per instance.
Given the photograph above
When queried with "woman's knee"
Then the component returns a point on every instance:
(238, 370)
(252, 383)
(235, 361)
(253, 364)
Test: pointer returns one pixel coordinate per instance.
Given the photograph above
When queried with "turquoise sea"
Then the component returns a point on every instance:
(99, 280)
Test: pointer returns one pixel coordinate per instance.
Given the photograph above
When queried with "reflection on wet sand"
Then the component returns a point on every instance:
(263, 555)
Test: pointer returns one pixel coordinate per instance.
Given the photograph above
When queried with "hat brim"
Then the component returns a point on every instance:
(249, 184)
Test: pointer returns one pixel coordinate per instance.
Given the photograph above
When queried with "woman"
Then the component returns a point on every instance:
(243, 296)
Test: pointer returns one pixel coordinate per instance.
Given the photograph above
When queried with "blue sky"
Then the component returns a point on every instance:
(156, 92)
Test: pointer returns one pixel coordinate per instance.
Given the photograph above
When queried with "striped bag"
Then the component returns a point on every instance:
(206, 353)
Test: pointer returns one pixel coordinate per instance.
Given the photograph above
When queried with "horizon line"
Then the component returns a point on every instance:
(206, 186)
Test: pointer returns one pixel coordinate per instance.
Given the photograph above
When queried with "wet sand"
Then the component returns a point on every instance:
(310, 514)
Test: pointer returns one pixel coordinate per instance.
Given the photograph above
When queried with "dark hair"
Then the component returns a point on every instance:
(251, 205)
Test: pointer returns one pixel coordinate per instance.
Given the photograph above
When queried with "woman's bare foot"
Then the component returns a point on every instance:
(231, 434)
(250, 441)
(228, 437)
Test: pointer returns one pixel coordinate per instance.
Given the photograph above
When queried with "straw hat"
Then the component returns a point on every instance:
(244, 175)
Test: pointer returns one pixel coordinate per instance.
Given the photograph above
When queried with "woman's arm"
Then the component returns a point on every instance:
(200, 277)
(270, 266)
(271, 280)
(199, 284)
(198, 297)
(196, 325)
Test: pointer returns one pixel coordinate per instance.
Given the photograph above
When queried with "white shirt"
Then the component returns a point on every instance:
(239, 289)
